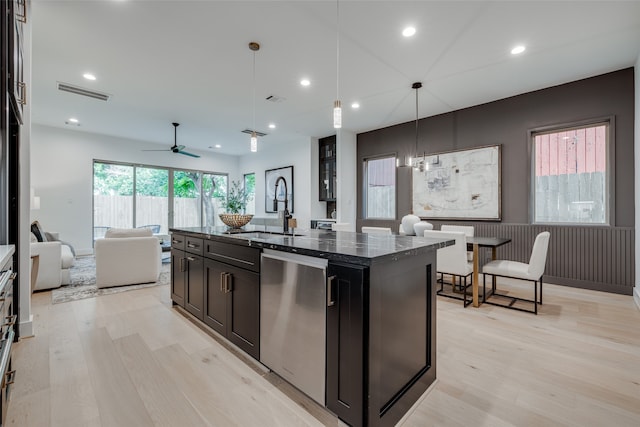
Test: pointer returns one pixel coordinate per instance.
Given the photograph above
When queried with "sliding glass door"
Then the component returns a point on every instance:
(214, 187)
(112, 197)
(126, 196)
(152, 199)
(187, 203)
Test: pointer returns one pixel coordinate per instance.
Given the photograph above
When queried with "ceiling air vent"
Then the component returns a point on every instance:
(275, 98)
(260, 134)
(66, 87)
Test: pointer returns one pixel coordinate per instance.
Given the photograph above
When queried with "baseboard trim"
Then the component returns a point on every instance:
(636, 296)
(26, 328)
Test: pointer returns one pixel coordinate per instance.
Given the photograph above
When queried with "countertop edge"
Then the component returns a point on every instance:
(290, 247)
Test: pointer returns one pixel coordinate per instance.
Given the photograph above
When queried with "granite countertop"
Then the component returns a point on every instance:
(357, 248)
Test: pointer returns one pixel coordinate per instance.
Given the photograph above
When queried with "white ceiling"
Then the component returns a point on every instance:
(189, 62)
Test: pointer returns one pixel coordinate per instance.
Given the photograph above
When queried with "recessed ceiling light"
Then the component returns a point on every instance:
(409, 31)
(355, 105)
(73, 120)
(272, 125)
(218, 146)
(89, 76)
(305, 82)
(518, 49)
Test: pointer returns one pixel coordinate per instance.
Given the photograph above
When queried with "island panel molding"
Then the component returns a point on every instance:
(270, 177)
(461, 184)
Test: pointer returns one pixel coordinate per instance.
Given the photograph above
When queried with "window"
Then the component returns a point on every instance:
(571, 175)
(250, 189)
(380, 188)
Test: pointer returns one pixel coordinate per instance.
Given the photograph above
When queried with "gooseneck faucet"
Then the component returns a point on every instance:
(286, 216)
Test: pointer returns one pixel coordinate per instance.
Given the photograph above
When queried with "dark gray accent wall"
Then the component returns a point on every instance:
(509, 122)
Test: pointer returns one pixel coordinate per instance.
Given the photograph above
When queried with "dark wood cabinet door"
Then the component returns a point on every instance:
(178, 276)
(215, 308)
(346, 342)
(194, 302)
(243, 315)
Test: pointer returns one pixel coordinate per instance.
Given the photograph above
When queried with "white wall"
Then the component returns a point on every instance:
(297, 154)
(62, 175)
(636, 291)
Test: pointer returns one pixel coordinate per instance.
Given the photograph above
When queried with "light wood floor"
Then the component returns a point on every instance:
(129, 359)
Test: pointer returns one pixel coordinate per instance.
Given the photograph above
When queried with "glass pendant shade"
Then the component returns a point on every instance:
(337, 115)
(254, 142)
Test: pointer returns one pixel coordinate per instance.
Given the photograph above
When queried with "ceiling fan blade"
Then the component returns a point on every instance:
(157, 150)
(188, 154)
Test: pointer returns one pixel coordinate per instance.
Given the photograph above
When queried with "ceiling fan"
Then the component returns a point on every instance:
(177, 148)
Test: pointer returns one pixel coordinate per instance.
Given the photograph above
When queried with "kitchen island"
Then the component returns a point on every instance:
(379, 302)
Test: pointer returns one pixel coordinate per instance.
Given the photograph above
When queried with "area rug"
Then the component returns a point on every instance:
(83, 282)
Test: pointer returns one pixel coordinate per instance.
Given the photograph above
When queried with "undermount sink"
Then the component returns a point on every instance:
(267, 234)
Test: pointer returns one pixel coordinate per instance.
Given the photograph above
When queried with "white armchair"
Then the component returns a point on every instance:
(452, 260)
(55, 260)
(531, 272)
(127, 257)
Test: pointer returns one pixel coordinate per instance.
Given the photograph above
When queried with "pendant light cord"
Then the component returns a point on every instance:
(337, 49)
(254, 91)
(417, 122)
(416, 86)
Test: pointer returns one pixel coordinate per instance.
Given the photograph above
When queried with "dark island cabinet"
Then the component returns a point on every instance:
(380, 314)
(194, 276)
(346, 363)
(187, 274)
(219, 284)
(232, 306)
(380, 338)
(194, 271)
(178, 277)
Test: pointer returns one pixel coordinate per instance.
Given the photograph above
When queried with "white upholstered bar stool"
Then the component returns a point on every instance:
(531, 272)
(377, 230)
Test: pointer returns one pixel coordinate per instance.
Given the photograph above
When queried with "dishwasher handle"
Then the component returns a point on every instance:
(330, 300)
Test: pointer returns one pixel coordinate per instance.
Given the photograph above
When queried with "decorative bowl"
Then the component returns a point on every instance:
(235, 220)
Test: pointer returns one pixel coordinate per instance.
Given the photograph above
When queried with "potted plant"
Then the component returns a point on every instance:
(235, 204)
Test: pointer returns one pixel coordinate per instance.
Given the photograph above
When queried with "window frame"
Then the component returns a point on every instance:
(609, 200)
(244, 186)
(365, 186)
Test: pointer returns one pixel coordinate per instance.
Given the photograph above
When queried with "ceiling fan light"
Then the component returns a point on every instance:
(254, 142)
(337, 115)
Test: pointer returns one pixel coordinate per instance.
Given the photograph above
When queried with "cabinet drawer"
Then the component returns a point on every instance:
(240, 256)
(193, 245)
(178, 241)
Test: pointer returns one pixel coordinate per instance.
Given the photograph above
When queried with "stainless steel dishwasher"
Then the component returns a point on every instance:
(293, 291)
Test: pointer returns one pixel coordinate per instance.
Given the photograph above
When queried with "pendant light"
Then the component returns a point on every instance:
(416, 162)
(254, 138)
(337, 105)
(413, 161)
